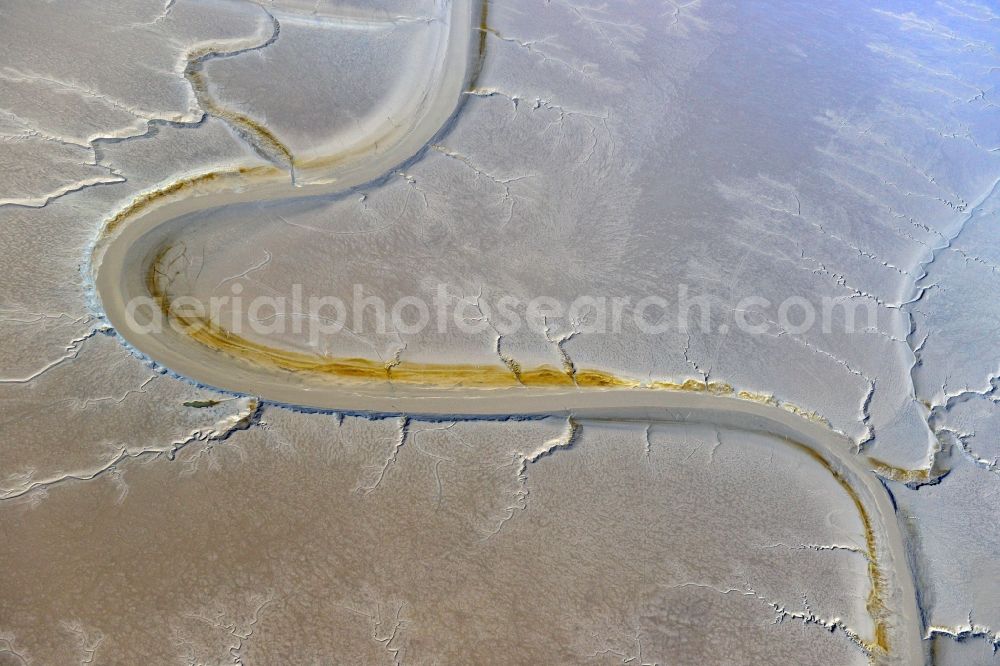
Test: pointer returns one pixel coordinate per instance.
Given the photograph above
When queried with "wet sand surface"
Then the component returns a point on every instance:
(318, 545)
(201, 495)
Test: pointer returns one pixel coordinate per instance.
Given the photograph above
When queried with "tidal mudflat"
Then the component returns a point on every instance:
(499, 332)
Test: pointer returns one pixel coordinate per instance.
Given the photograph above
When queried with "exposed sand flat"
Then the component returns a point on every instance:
(460, 542)
(706, 478)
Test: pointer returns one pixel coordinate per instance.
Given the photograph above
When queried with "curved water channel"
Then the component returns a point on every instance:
(125, 266)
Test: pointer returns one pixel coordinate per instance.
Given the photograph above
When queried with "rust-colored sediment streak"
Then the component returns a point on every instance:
(269, 146)
(241, 176)
(213, 335)
(907, 476)
(263, 139)
(484, 27)
(875, 604)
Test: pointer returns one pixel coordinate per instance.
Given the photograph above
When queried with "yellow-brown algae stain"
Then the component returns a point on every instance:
(875, 603)
(899, 474)
(241, 176)
(208, 333)
(263, 139)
